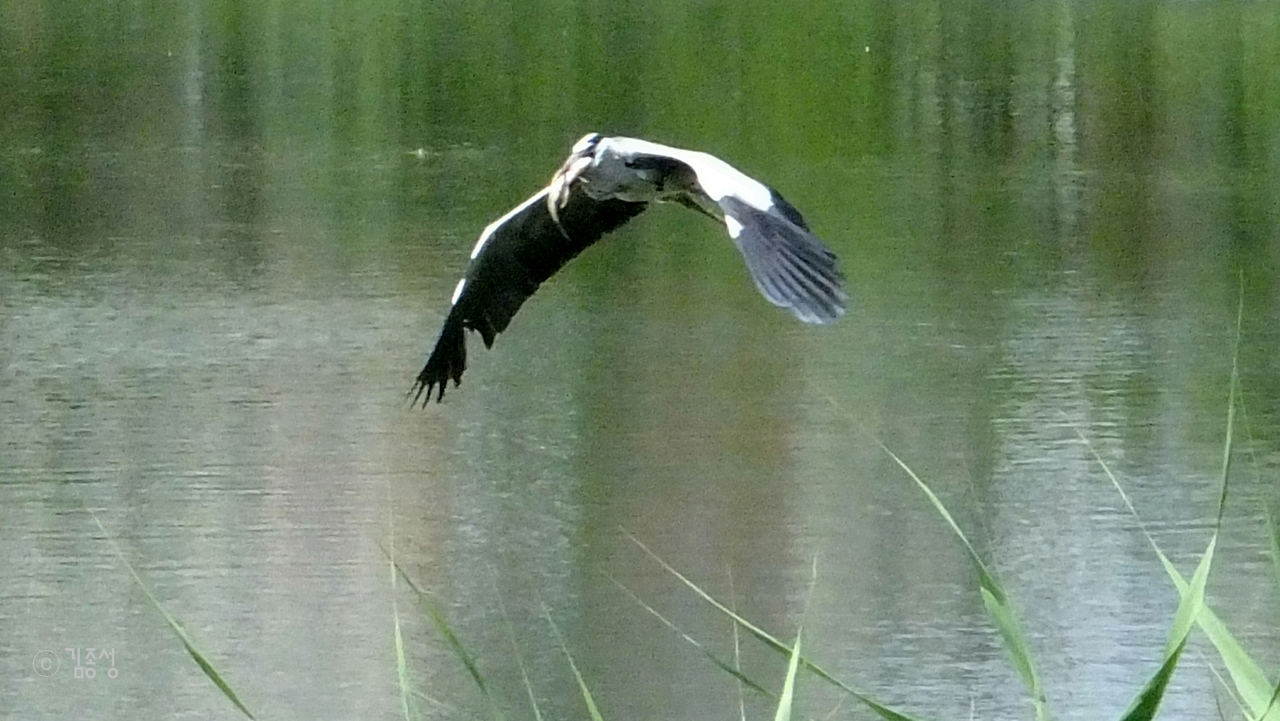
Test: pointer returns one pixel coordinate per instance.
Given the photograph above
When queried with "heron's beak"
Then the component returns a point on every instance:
(562, 184)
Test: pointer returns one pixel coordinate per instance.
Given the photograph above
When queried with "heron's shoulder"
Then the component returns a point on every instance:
(717, 177)
(625, 146)
(720, 179)
(497, 225)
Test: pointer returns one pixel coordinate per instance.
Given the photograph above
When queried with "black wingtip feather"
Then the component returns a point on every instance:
(789, 211)
(446, 362)
(524, 249)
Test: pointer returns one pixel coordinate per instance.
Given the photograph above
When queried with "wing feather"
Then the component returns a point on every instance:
(789, 265)
(515, 255)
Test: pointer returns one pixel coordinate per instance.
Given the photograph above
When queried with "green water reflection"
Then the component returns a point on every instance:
(229, 230)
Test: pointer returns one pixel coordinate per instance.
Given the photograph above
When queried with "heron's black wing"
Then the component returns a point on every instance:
(790, 266)
(514, 255)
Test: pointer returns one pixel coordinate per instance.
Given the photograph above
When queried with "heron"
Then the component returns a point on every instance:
(605, 182)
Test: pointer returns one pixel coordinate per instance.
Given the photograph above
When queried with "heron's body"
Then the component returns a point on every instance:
(713, 177)
(603, 184)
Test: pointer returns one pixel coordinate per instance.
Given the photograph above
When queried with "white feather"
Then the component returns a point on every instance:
(716, 177)
(490, 228)
(735, 228)
(584, 142)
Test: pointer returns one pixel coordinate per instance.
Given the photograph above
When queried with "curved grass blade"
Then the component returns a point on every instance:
(1227, 688)
(1144, 707)
(447, 708)
(582, 685)
(178, 630)
(994, 599)
(879, 709)
(402, 667)
(432, 610)
(1146, 704)
(737, 648)
(1250, 682)
(1248, 677)
(787, 698)
(515, 648)
(1273, 533)
(1192, 610)
(735, 671)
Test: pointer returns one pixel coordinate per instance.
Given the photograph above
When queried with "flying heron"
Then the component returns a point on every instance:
(605, 182)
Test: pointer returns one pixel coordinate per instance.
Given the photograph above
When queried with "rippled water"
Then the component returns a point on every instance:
(229, 235)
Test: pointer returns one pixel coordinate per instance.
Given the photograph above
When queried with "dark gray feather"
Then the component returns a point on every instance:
(789, 265)
(522, 253)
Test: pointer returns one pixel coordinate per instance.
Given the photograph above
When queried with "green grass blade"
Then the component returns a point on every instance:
(205, 666)
(787, 698)
(178, 630)
(1251, 684)
(1247, 676)
(1271, 706)
(1191, 605)
(993, 598)
(402, 667)
(515, 649)
(1001, 612)
(737, 648)
(733, 670)
(449, 709)
(1273, 533)
(1227, 688)
(1233, 385)
(1146, 704)
(879, 709)
(582, 685)
(1193, 601)
(432, 610)
(1250, 681)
